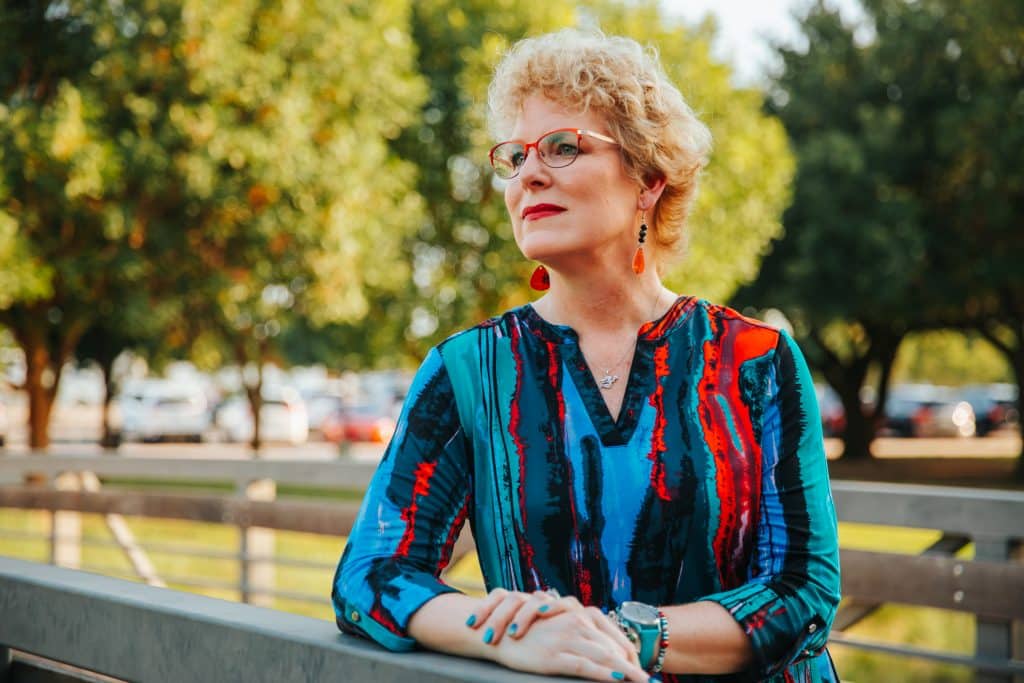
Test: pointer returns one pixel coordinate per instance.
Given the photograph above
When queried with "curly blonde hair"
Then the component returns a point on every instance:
(658, 132)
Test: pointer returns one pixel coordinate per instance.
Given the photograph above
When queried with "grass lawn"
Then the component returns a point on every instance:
(930, 628)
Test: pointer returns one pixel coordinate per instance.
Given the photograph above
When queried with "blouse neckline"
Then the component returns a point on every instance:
(651, 331)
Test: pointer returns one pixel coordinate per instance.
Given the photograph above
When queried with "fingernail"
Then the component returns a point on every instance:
(618, 675)
(543, 608)
(471, 620)
(489, 635)
(513, 628)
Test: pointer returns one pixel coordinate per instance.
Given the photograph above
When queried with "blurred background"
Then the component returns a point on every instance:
(243, 224)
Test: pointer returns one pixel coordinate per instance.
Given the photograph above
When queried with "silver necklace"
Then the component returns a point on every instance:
(608, 380)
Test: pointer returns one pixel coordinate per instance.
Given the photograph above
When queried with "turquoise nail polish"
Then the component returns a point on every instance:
(543, 608)
(513, 628)
(489, 635)
(471, 620)
(618, 675)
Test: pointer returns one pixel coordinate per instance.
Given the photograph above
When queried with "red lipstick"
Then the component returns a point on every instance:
(538, 211)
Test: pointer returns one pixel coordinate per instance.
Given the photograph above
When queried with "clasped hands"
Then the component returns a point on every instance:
(541, 633)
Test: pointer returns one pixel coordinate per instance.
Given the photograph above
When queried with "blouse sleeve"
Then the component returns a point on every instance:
(410, 517)
(788, 603)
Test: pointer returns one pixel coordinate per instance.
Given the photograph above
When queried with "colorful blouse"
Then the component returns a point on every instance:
(711, 484)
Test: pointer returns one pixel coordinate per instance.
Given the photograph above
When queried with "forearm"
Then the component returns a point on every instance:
(440, 624)
(704, 638)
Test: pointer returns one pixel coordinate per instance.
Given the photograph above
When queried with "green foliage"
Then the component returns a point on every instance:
(309, 181)
(230, 160)
(949, 357)
(905, 196)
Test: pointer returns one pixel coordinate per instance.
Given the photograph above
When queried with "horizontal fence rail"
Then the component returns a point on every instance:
(136, 632)
(990, 586)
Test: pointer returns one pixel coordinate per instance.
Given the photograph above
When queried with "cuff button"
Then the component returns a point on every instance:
(354, 616)
(812, 628)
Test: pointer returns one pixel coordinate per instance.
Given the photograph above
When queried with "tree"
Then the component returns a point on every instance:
(852, 257)
(56, 254)
(232, 158)
(958, 69)
(899, 222)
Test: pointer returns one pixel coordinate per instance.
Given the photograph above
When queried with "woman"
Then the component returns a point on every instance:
(643, 473)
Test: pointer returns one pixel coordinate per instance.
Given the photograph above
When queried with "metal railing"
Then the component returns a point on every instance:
(990, 586)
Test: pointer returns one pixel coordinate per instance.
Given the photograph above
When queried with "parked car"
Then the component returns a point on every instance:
(283, 417)
(320, 405)
(367, 423)
(995, 406)
(157, 409)
(925, 410)
(833, 416)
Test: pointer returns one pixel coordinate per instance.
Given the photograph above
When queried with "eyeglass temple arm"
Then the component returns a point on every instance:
(594, 134)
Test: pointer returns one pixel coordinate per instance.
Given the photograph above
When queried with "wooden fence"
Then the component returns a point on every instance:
(990, 585)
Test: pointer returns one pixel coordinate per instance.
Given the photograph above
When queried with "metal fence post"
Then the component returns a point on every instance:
(256, 569)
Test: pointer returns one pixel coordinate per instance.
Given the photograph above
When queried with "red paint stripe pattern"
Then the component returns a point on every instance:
(661, 370)
(424, 471)
(738, 478)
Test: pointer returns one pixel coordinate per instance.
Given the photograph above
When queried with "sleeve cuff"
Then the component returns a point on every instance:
(778, 635)
(354, 620)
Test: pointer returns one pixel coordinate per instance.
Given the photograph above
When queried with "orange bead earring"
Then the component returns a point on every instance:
(638, 257)
(540, 280)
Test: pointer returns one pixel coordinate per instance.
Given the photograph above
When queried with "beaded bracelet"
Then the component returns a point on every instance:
(662, 643)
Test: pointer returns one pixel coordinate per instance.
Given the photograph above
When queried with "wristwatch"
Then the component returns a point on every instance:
(642, 625)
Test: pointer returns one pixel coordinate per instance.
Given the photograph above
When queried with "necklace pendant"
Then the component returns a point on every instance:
(608, 380)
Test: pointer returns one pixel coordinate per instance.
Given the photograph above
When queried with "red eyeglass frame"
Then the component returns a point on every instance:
(580, 132)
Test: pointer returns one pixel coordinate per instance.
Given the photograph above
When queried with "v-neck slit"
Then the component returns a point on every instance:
(618, 430)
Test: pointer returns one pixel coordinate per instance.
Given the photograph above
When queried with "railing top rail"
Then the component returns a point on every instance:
(167, 635)
(971, 512)
(339, 473)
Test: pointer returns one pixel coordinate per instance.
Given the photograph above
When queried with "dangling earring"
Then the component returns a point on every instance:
(540, 280)
(638, 257)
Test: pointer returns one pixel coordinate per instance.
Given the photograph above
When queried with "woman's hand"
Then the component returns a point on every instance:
(512, 612)
(581, 643)
(584, 641)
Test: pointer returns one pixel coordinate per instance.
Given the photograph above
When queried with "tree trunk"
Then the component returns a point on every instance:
(110, 439)
(253, 393)
(1018, 372)
(860, 428)
(41, 390)
(1014, 352)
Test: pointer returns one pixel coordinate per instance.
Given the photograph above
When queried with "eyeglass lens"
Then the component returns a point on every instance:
(555, 149)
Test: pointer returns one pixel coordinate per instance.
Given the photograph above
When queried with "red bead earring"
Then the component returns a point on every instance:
(638, 257)
(540, 280)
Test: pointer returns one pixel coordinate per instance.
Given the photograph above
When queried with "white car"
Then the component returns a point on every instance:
(283, 417)
(155, 409)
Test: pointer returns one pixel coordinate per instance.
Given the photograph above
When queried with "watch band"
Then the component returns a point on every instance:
(643, 624)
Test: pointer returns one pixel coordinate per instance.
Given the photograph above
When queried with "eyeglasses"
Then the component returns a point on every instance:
(556, 149)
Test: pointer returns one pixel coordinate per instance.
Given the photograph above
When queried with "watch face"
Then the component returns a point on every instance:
(639, 613)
